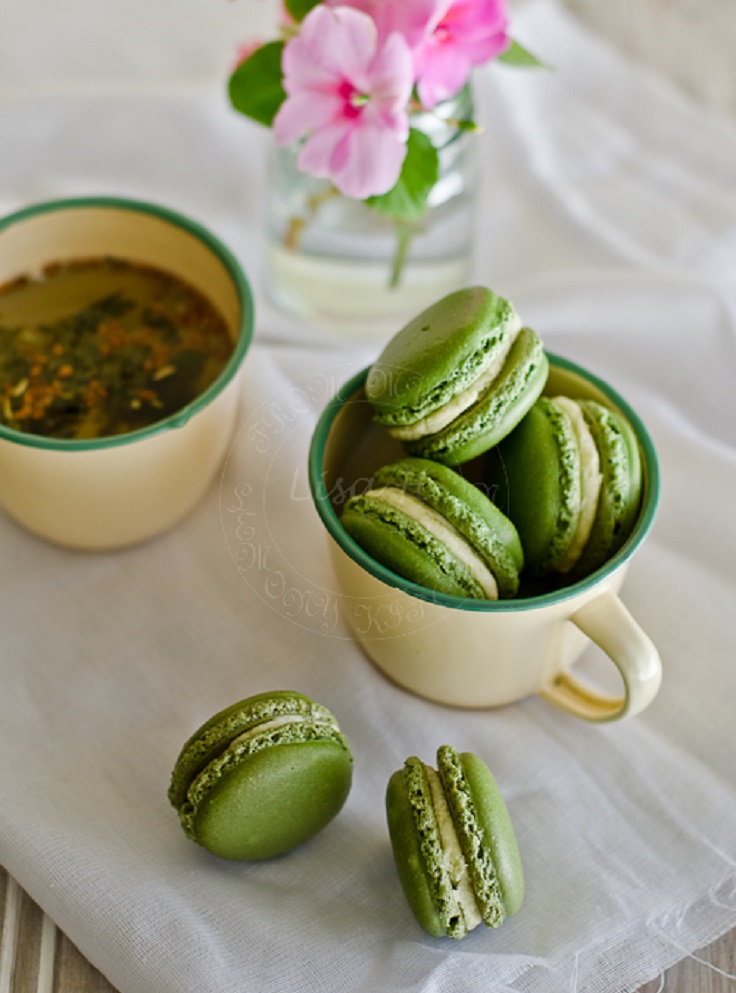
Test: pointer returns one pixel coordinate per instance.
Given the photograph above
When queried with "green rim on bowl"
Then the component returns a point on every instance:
(242, 343)
(332, 522)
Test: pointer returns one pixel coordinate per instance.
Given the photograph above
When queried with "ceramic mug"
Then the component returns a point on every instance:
(482, 653)
(108, 492)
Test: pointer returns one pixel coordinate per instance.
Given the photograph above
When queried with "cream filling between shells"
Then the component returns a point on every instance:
(277, 722)
(444, 415)
(590, 479)
(455, 864)
(444, 532)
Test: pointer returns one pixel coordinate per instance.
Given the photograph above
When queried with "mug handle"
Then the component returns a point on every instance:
(608, 623)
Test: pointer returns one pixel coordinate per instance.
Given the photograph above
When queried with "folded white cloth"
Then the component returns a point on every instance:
(609, 220)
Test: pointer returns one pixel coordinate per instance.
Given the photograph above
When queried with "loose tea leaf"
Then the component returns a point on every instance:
(99, 347)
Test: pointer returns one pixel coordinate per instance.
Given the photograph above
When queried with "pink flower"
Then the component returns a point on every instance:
(411, 18)
(347, 95)
(447, 37)
(464, 34)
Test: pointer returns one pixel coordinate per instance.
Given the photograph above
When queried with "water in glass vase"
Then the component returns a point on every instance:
(343, 267)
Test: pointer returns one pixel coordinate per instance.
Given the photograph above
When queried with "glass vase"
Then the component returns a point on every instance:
(340, 265)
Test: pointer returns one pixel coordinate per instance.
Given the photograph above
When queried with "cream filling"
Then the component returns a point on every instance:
(590, 479)
(455, 864)
(438, 527)
(277, 722)
(443, 416)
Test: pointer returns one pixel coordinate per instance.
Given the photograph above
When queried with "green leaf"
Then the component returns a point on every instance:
(469, 126)
(256, 87)
(300, 8)
(407, 200)
(517, 55)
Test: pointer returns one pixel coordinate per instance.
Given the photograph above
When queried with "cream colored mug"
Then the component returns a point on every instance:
(482, 653)
(109, 492)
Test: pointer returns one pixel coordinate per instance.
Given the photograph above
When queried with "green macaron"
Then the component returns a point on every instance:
(262, 776)
(454, 845)
(458, 377)
(570, 478)
(428, 524)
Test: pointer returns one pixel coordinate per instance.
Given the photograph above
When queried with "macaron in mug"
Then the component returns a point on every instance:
(479, 653)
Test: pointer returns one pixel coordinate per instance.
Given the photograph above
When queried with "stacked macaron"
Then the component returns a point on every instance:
(457, 378)
(571, 478)
(424, 521)
(261, 776)
(465, 377)
(454, 845)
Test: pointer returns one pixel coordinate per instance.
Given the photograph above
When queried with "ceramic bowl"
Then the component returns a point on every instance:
(109, 492)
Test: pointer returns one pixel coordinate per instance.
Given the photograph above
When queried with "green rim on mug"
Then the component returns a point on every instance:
(331, 521)
(245, 330)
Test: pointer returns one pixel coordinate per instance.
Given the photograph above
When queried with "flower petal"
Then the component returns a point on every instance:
(340, 40)
(301, 113)
(358, 40)
(474, 17)
(367, 163)
(410, 18)
(391, 75)
(443, 71)
(316, 154)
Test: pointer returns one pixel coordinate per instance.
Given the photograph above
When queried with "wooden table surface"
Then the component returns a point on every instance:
(37, 958)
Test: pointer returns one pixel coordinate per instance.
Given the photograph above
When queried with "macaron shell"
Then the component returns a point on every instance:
(530, 476)
(273, 801)
(467, 509)
(437, 355)
(496, 829)
(621, 488)
(210, 740)
(409, 858)
(497, 411)
(476, 852)
(405, 547)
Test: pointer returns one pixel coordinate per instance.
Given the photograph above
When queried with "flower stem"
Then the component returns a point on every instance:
(296, 225)
(404, 233)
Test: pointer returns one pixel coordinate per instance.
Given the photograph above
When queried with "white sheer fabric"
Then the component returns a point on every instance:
(610, 221)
